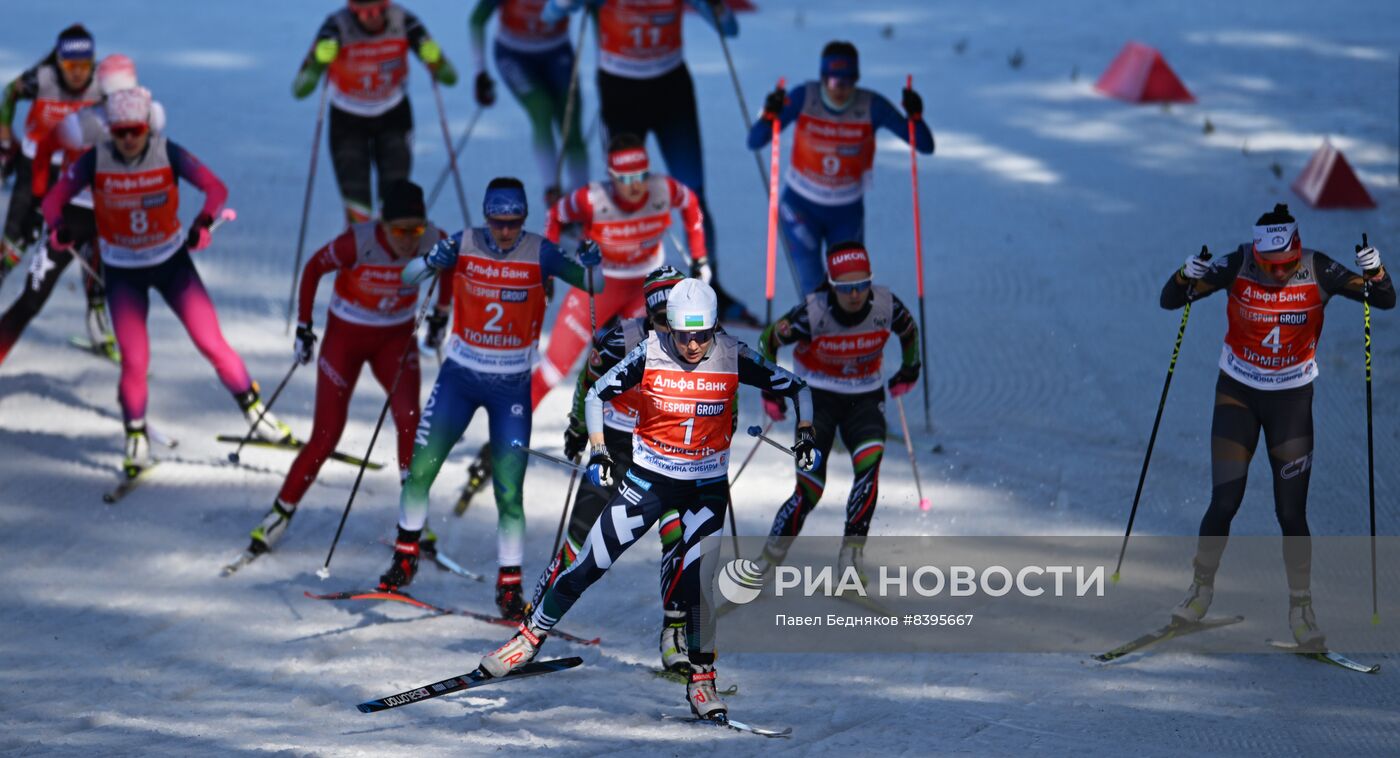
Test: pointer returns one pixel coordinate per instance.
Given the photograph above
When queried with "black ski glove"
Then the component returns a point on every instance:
(437, 327)
(575, 438)
(774, 103)
(805, 451)
(600, 467)
(485, 90)
(913, 104)
(305, 346)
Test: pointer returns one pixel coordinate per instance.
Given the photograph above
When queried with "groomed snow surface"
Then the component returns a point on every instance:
(1051, 217)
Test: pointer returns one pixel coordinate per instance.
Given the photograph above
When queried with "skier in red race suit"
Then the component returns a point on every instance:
(364, 48)
(134, 178)
(1277, 292)
(370, 321)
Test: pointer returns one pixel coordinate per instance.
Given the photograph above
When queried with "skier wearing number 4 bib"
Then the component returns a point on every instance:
(687, 382)
(1278, 290)
(497, 275)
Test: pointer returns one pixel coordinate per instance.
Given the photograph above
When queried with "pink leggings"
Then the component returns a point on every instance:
(129, 301)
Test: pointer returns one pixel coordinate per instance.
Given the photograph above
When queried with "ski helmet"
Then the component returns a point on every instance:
(116, 72)
(129, 106)
(692, 306)
(1276, 239)
(656, 288)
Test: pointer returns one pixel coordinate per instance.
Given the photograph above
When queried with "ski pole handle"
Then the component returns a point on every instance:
(225, 215)
(517, 444)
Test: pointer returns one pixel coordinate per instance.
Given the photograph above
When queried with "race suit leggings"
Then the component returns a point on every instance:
(811, 228)
(540, 81)
(385, 140)
(45, 269)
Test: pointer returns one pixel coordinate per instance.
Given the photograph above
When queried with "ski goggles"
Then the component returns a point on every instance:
(635, 177)
(1279, 270)
(505, 224)
(76, 66)
(404, 231)
(127, 131)
(849, 288)
(698, 336)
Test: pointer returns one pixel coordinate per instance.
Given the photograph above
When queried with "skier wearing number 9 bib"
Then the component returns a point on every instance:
(1277, 290)
(497, 275)
(134, 176)
(833, 152)
(687, 380)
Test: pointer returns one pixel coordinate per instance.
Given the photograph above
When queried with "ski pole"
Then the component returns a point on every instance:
(1161, 404)
(564, 516)
(456, 151)
(919, 263)
(592, 307)
(566, 463)
(233, 457)
(1370, 441)
(451, 156)
(756, 431)
(410, 349)
(772, 264)
(924, 503)
(306, 202)
(226, 215)
(569, 101)
(766, 426)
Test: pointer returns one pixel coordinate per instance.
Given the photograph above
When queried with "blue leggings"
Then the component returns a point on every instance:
(540, 81)
(456, 396)
(806, 225)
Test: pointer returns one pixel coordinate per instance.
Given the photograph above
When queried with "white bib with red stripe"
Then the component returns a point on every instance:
(686, 414)
(1272, 338)
(372, 291)
(630, 240)
(843, 358)
(498, 305)
(832, 153)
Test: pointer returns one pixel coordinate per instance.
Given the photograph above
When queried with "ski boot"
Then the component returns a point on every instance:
(518, 650)
(1193, 608)
(478, 474)
(1303, 622)
(405, 565)
(138, 450)
(675, 654)
(269, 428)
(99, 330)
(274, 524)
(509, 598)
(427, 546)
(700, 691)
(852, 556)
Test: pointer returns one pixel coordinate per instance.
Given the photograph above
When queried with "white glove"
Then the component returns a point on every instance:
(1195, 267)
(1368, 259)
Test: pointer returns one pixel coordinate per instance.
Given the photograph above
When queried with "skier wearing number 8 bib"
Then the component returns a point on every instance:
(687, 381)
(833, 152)
(497, 275)
(134, 177)
(1278, 290)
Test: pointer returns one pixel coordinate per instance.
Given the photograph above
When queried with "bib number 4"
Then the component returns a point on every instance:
(1272, 340)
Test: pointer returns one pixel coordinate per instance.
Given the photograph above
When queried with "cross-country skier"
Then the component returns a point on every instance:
(364, 48)
(644, 87)
(619, 420)
(77, 132)
(840, 331)
(497, 275)
(58, 85)
(688, 380)
(833, 151)
(370, 322)
(536, 61)
(1278, 290)
(134, 178)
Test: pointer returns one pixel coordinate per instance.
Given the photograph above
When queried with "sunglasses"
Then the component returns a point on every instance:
(626, 179)
(850, 288)
(505, 224)
(76, 65)
(403, 232)
(698, 336)
(128, 131)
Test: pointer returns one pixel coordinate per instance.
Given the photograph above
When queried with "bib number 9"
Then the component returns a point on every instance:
(831, 165)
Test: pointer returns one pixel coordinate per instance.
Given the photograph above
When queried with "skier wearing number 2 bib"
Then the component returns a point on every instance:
(497, 275)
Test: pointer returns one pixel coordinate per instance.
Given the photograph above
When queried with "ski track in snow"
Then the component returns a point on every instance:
(1051, 217)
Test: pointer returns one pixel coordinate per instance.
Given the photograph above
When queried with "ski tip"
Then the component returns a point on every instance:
(324, 573)
(365, 708)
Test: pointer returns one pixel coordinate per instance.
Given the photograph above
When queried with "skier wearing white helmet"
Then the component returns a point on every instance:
(688, 380)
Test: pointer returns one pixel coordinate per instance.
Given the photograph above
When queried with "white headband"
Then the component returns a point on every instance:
(1272, 238)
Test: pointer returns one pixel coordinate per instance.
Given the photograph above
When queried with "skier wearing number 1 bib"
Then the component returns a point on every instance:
(497, 275)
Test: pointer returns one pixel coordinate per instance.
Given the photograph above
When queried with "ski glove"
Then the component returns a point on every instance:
(60, 239)
(1368, 259)
(443, 255)
(437, 327)
(199, 237)
(774, 103)
(575, 438)
(904, 380)
(805, 451)
(485, 90)
(913, 104)
(600, 467)
(774, 405)
(305, 346)
(700, 269)
(1195, 267)
(589, 254)
(325, 51)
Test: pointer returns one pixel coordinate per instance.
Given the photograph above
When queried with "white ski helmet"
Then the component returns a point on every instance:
(692, 306)
(129, 106)
(115, 73)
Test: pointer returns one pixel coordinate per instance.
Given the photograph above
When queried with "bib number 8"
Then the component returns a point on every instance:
(139, 222)
(1272, 340)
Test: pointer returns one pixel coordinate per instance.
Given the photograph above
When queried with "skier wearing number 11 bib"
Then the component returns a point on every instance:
(497, 275)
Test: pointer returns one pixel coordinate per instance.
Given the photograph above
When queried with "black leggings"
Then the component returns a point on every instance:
(385, 140)
(23, 220)
(1285, 416)
(43, 274)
